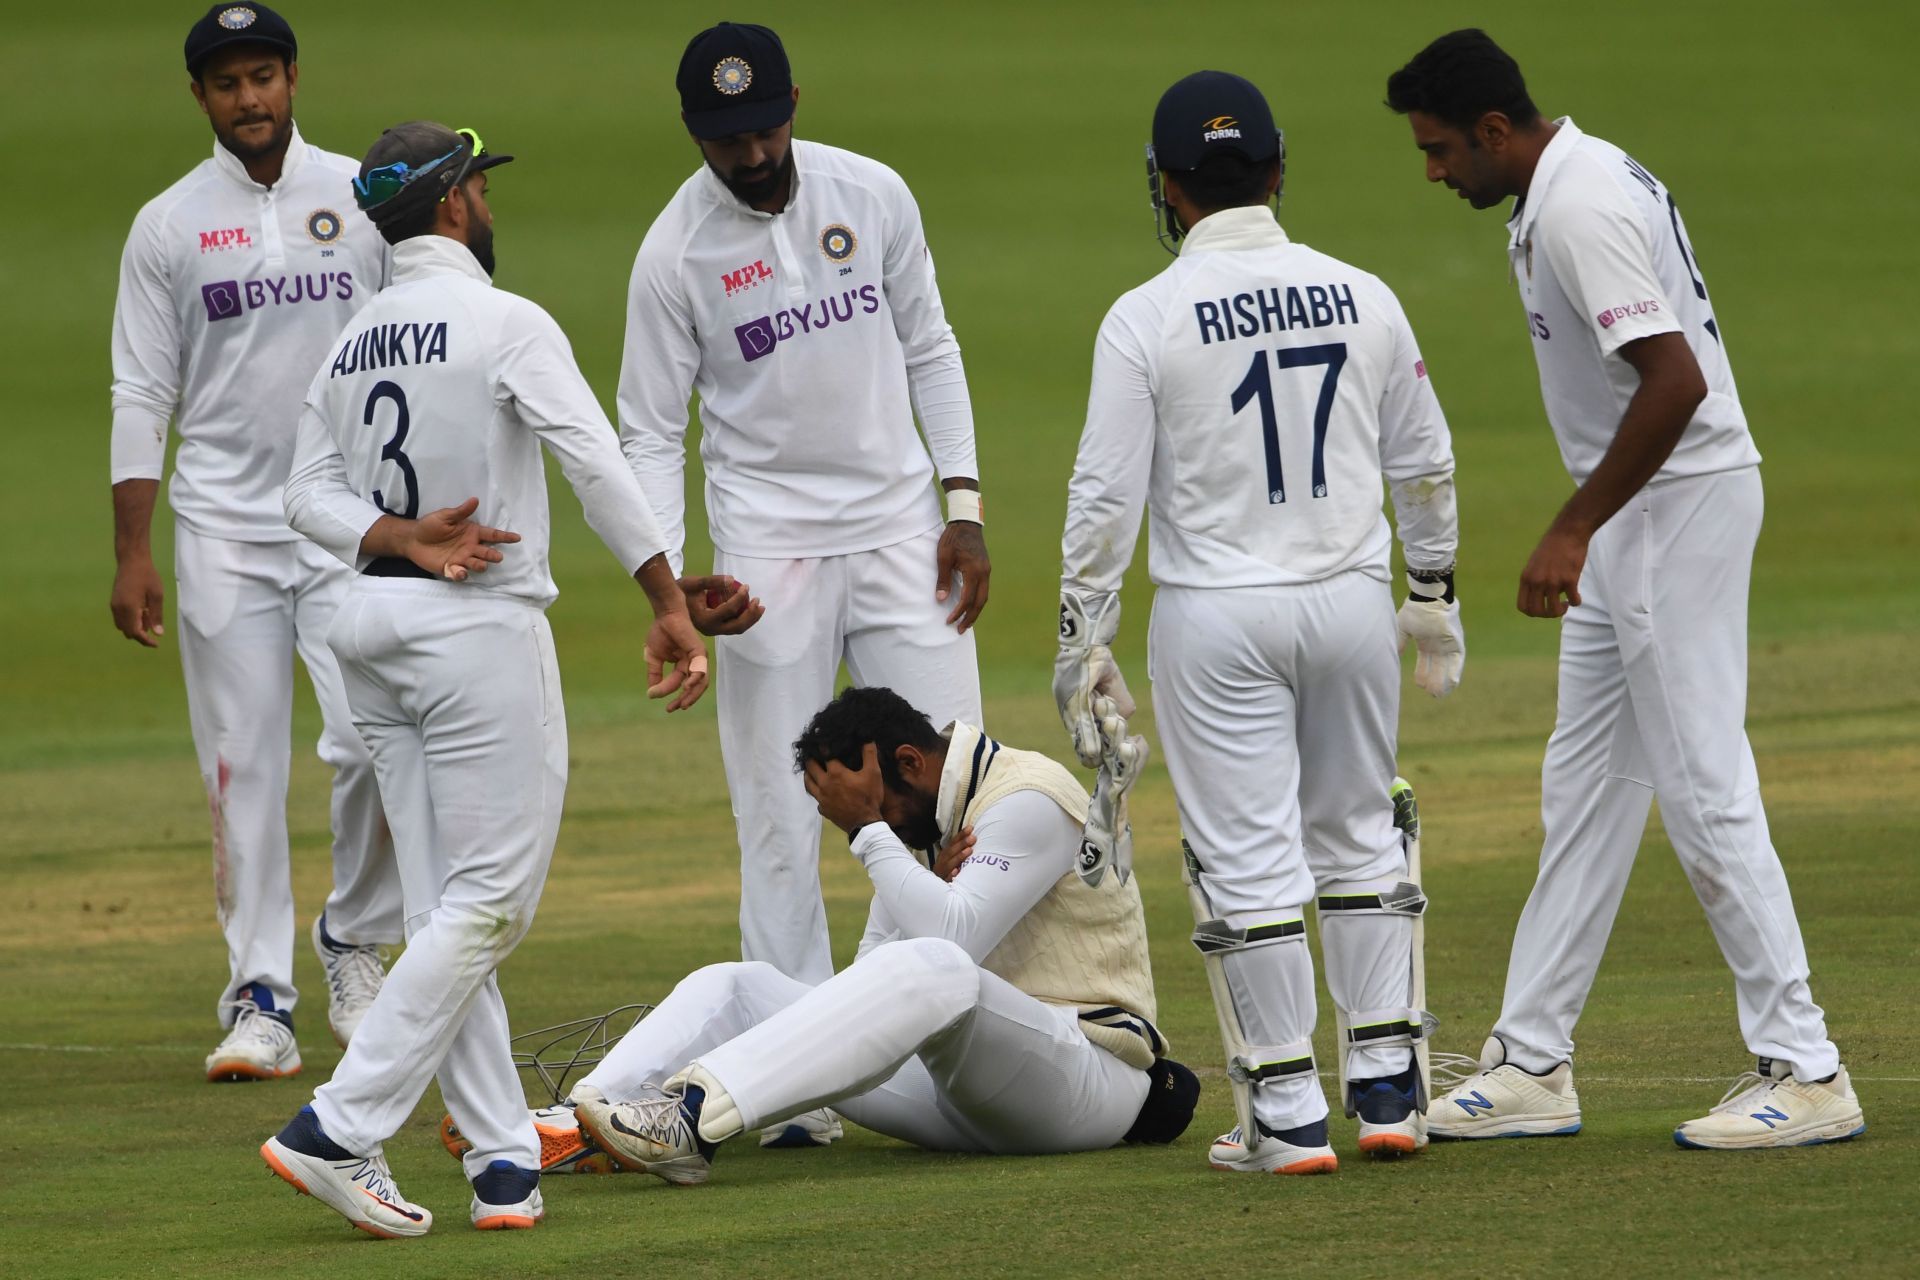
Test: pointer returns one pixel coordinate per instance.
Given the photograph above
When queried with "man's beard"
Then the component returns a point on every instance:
(480, 245)
(282, 133)
(756, 186)
(921, 831)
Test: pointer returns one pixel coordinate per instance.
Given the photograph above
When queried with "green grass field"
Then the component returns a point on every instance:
(1019, 127)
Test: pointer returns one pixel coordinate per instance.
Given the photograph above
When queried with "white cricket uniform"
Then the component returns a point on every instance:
(813, 337)
(1653, 661)
(1253, 396)
(229, 294)
(927, 1036)
(444, 389)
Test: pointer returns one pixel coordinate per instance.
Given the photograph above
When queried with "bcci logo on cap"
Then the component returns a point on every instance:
(732, 76)
(238, 18)
(1220, 127)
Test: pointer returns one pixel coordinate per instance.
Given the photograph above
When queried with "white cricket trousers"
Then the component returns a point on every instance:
(1653, 701)
(876, 610)
(1278, 709)
(245, 608)
(458, 697)
(913, 1040)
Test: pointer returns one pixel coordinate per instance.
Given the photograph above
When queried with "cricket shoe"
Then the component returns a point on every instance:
(354, 975)
(259, 1045)
(808, 1129)
(1299, 1150)
(563, 1147)
(1501, 1100)
(507, 1198)
(360, 1189)
(1389, 1113)
(657, 1134)
(1770, 1108)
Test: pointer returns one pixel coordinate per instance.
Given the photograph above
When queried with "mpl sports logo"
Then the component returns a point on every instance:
(228, 299)
(758, 338)
(746, 277)
(219, 241)
(1220, 127)
(1613, 315)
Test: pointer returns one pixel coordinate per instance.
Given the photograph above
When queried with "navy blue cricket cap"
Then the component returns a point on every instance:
(226, 24)
(734, 78)
(1211, 112)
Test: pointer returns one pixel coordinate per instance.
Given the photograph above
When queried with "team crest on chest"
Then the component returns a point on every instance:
(838, 242)
(238, 18)
(324, 226)
(732, 75)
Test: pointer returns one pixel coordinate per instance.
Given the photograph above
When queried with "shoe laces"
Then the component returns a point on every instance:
(372, 1173)
(660, 1119)
(250, 1022)
(354, 974)
(1747, 1085)
(1451, 1070)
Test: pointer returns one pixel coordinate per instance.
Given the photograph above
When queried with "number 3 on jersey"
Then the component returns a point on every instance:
(1259, 383)
(391, 450)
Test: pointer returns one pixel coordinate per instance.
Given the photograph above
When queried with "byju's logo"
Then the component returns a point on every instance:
(756, 338)
(222, 298)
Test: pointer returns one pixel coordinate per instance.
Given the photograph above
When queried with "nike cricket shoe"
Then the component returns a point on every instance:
(564, 1148)
(507, 1198)
(360, 1189)
(808, 1129)
(354, 975)
(1299, 1150)
(1501, 1100)
(1770, 1108)
(657, 1134)
(1390, 1121)
(259, 1045)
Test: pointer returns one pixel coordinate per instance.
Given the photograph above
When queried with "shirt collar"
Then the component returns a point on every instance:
(1250, 227)
(1527, 207)
(435, 255)
(969, 752)
(229, 164)
(719, 191)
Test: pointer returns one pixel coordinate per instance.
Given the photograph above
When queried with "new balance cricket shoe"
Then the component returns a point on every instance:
(507, 1197)
(808, 1129)
(1501, 1100)
(259, 1045)
(564, 1148)
(657, 1134)
(1389, 1113)
(360, 1189)
(354, 975)
(1770, 1108)
(1298, 1150)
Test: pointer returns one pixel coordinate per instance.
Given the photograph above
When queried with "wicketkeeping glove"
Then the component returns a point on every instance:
(1085, 667)
(1107, 840)
(1431, 620)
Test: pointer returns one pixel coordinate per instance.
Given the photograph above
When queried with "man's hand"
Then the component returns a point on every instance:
(1084, 669)
(137, 599)
(720, 605)
(1433, 626)
(1553, 571)
(673, 642)
(848, 798)
(448, 544)
(963, 550)
(954, 854)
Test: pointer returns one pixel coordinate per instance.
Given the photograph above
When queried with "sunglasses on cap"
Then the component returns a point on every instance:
(377, 187)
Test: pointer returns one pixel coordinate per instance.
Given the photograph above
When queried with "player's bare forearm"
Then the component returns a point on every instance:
(138, 596)
(133, 503)
(446, 543)
(663, 589)
(1671, 388)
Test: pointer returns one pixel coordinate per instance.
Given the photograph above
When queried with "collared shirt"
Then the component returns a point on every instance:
(1252, 396)
(444, 388)
(1601, 257)
(812, 336)
(229, 294)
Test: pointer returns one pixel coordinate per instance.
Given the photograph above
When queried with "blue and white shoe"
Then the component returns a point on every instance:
(1501, 1100)
(1390, 1121)
(1298, 1150)
(657, 1134)
(259, 1045)
(507, 1197)
(354, 974)
(360, 1189)
(1769, 1108)
(808, 1129)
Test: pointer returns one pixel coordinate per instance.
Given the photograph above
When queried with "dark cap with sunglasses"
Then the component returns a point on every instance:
(417, 163)
(226, 24)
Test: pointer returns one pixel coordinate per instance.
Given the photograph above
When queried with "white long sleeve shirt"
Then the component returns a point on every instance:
(444, 389)
(813, 336)
(1601, 257)
(1252, 396)
(229, 294)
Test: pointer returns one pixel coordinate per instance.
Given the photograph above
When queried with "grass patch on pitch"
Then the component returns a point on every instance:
(1019, 127)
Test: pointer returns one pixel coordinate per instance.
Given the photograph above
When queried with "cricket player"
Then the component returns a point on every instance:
(233, 281)
(1253, 396)
(790, 285)
(1008, 1010)
(1647, 567)
(436, 399)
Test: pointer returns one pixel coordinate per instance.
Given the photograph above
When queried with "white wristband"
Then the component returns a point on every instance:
(965, 504)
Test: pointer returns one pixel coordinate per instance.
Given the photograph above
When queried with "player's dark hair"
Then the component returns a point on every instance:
(408, 223)
(1459, 78)
(842, 729)
(1226, 180)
